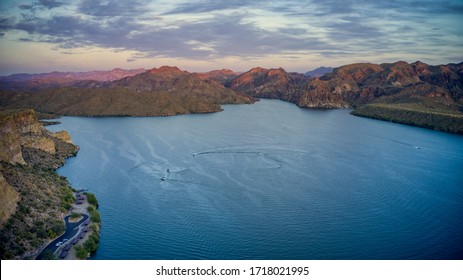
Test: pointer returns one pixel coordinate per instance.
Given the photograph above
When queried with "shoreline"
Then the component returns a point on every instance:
(38, 202)
(81, 229)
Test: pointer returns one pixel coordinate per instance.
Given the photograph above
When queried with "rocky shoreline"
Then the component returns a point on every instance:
(35, 199)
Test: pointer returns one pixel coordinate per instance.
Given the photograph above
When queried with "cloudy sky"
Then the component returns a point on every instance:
(197, 35)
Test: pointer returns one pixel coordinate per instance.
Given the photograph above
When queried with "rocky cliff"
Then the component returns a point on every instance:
(292, 87)
(21, 128)
(416, 93)
(360, 84)
(8, 200)
(33, 197)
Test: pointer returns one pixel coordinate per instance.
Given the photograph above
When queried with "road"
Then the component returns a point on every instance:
(71, 231)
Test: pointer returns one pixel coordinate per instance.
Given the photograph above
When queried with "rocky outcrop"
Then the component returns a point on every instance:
(63, 136)
(33, 197)
(319, 94)
(270, 83)
(291, 87)
(8, 200)
(360, 84)
(21, 128)
(11, 122)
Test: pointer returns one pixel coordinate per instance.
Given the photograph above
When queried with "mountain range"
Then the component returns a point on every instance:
(412, 93)
(318, 72)
(55, 79)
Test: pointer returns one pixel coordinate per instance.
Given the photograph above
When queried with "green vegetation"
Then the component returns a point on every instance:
(91, 245)
(91, 198)
(95, 216)
(48, 255)
(43, 194)
(414, 114)
(38, 215)
(81, 252)
(75, 216)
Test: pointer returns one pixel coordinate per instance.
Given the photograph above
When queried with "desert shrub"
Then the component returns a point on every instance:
(75, 215)
(91, 245)
(95, 216)
(92, 199)
(48, 255)
(81, 253)
(56, 228)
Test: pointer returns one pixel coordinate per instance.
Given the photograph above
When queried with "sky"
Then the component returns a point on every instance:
(196, 35)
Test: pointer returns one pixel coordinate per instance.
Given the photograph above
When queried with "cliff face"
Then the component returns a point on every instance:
(291, 87)
(417, 93)
(20, 128)
(360, 84)
(32, 196)
(8, 200)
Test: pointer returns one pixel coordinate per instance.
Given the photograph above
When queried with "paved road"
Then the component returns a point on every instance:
(71, 231)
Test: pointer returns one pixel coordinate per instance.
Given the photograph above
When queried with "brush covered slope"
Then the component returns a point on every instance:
(34, 197)
(416, 94)
(166, 91)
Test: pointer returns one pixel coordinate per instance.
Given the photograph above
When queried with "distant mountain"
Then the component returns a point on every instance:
(292, 87)
(416, 93)
(223, 76)
(269, 83)
(364, 83)
(320, 71)
(165, 91)
(57, 79)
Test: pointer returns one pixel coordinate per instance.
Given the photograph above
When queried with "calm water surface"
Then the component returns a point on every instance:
(270, 181)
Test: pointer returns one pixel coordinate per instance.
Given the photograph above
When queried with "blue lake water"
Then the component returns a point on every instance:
(270, 181)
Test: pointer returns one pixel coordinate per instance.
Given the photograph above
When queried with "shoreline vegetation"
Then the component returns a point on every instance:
(446, 121)
(35, 200)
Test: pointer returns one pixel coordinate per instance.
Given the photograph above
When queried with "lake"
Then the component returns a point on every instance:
(270, 181)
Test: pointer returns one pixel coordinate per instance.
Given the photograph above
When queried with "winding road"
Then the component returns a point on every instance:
(71, 231)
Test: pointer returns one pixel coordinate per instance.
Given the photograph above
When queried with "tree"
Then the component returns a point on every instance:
(48, 255)
(75, 215)
(95, 217)
(81, 253)
(92, 199)
(91, 244)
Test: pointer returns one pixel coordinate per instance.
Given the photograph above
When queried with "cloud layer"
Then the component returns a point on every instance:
(214, 30)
